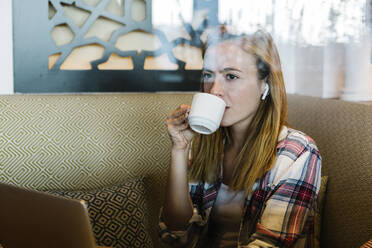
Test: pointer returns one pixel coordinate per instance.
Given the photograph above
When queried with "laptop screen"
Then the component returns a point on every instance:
(35, 219)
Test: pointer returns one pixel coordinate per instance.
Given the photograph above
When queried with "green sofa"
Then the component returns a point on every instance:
(85, 142)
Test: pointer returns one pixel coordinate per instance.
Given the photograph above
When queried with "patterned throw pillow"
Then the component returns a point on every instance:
(117, 213)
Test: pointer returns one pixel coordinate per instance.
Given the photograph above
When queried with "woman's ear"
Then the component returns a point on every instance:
(265, 91)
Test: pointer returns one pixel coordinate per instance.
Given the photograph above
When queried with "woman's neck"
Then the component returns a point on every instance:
(237, 138)
(233, 148)
(238, 131)
(229, 161)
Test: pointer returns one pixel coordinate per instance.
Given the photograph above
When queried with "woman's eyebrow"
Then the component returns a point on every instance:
(223, 70)
(207, 70)
(231, 69)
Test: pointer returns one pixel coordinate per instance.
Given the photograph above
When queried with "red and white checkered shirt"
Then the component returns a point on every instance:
(279, 212)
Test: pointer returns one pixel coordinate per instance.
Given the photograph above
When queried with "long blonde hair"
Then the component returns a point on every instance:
(259, 150)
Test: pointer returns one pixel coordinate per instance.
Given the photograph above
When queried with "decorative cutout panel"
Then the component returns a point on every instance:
(102, 46)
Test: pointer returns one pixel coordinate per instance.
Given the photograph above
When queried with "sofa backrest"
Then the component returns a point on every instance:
(343, 133)
(91, 141)
(78, 142)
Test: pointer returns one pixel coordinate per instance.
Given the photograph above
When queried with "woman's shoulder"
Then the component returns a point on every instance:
(297, 155)
(295, 142)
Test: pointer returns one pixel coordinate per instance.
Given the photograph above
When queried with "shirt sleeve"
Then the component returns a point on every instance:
(189, 236)
(290, 205)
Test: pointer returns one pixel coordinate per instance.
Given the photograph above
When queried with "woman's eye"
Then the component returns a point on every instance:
(231, 77)
(207, 76)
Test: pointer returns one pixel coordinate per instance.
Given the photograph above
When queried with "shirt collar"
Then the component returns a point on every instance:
(283, 133)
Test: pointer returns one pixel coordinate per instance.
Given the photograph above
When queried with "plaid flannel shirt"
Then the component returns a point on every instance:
(280, 210)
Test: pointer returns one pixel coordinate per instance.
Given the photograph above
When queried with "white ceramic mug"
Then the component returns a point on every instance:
(206, 113)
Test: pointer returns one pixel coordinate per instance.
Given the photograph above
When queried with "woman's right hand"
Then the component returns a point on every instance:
(178, 128)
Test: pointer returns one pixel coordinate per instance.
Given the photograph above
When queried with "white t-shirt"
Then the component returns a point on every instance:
(226, 216)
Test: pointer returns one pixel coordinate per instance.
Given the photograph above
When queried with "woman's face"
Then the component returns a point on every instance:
(230, 73)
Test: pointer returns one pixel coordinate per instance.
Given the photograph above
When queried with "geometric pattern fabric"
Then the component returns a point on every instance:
(88, 141)
(118, 214)
(82, 142)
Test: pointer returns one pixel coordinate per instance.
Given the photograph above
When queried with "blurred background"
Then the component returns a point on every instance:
(110, 45)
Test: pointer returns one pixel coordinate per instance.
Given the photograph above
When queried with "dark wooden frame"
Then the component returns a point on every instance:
(33, 45)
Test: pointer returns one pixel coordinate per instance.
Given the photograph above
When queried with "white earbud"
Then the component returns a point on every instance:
(266, 92)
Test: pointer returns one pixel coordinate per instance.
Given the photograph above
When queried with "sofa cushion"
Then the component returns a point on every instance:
(88, 141)
(118, 213)
(319, 210)
(343, 134)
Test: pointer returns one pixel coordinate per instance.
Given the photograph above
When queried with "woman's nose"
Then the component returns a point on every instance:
(217, 88)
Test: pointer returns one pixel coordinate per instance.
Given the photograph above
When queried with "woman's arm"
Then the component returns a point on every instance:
(177, 208)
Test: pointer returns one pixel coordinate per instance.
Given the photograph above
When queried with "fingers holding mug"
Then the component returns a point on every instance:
(178, 127)
(179, 115)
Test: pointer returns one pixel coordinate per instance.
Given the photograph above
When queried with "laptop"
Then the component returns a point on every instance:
(32, 219)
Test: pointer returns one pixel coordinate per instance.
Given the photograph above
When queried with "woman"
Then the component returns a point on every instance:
(254, 182)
